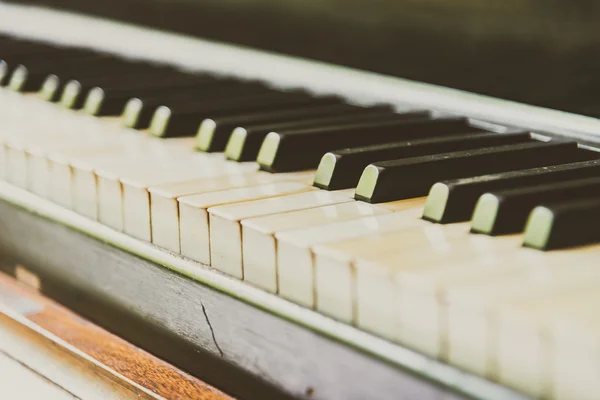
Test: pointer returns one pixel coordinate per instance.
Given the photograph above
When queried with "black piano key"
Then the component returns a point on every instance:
(214, 134)
(74, 92)
(111, 99)
(185, 119)
(454, 200)
(303, 149)
(4, 71)
(506, 211)
(562, 225)
(31, 77)
(29, 65)
(341, 169)
(413, 177)
(244, 142)
(139, 111)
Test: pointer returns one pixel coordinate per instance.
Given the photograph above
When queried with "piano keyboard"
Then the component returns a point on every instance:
(425, 228)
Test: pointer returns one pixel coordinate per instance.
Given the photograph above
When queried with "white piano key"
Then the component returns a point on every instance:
(85, 189)
(525, 348)
(110, 170)
(399, 205)
(165, 207)
(125, 158)
(226, 230)
(576, 355)
(16, 165)
(110, 199)
(468, 302)
(374, 271)
(258, 236)
(295, 256)
(194, 230)
(3, 161)
(334, 262)
(136, 198)
(60, 181)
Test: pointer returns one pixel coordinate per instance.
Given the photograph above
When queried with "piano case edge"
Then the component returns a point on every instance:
(245, 341)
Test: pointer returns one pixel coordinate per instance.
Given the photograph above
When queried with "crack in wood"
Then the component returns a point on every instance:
(212, 331)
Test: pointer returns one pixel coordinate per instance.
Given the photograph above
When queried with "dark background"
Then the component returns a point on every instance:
(542, 52)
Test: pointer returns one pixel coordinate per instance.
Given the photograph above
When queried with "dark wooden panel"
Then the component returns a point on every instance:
(241, 349)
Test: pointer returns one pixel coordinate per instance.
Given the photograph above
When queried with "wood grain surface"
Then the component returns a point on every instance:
(114, 353)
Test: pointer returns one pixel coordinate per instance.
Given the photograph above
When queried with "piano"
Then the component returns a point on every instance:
(334, 200)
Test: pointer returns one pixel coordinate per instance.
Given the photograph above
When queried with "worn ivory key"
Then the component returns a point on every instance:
(226, 234)
(164, 207)
(411, 317)
(136, 198)
(194, 233)
(42, 159)
(258, 236)
(334, 262)
(127, 157)
(152, 170)
(375, 275)
(575, 359)
(295, 255)
(442, 325)
(526, 344)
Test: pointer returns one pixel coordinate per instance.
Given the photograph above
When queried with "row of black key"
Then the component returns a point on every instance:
(386, 155)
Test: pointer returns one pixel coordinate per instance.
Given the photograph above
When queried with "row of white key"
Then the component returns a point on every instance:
(454, 296)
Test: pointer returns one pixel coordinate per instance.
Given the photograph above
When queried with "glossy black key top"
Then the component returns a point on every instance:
(185, 119)
(214, 134)
(506, 211)
(4, 72)
(30, 77)
(454, 200)
(75, 91)
(303, 149)
(245, 142)
(562, 225)
(413, 177)
(139, 111)
(111, 99)
(341, 169)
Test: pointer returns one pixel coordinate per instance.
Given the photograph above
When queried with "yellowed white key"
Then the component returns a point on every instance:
(16, 164)
(50, 175)
(194, 229)
(16, 147)
(110, 187)
(334, 262)
(412, 317)
(226, 230)
(136, 198)
(258, 236)
(295, 256)
(85, 180)
(112, 194)
(3, 162)
(164, 207)
(525, 344)
(40, 163)
(375, 273)
(576, 355)
(399, 205)
(467, 301)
